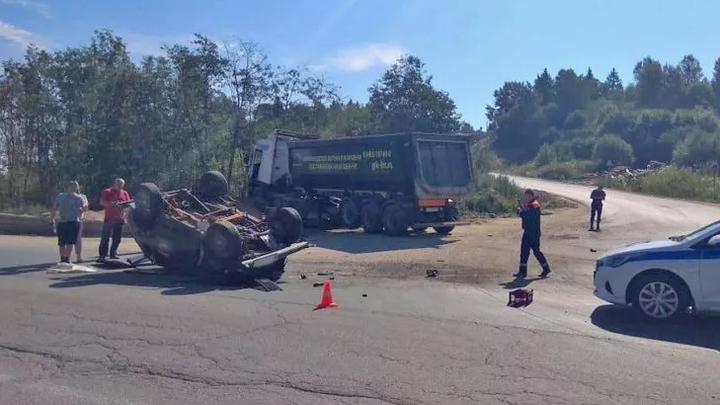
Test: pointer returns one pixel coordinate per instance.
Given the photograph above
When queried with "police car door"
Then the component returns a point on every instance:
(710, 273)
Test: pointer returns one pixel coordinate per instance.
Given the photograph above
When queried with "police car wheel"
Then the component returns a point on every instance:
(660, 297)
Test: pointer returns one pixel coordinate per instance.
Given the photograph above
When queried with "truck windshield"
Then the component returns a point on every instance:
(444, 163)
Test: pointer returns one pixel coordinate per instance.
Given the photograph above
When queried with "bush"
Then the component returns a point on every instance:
(612, 148)
(495, 195)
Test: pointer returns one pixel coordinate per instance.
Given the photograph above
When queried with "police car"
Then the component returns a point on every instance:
(666, 278)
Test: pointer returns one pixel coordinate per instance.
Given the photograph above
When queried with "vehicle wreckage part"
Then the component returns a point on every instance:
(148, 206)
(286, 226)
(272, 257)
(212, 184)
(223, 241)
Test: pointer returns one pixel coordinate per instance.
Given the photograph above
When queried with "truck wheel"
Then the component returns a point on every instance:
(350, 213)
(371, 220)
(443, 230)
(286, 226)
(451, 214)
(393, 219)
(213, 184)
(148, 206)
(223, 241)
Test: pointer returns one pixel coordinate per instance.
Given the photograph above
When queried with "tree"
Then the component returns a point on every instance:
(404, 100)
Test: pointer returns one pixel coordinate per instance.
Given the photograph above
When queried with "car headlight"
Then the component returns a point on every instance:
(616, 261)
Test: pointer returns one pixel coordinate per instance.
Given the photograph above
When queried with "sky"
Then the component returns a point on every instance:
(469, 47)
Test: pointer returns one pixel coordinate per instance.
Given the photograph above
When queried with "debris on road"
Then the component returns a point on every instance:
(432, 273)
(303, 277)
(520, 298)
(364, 295)
(593, 250)
(318, 284)
(267, 285)
(67, 268)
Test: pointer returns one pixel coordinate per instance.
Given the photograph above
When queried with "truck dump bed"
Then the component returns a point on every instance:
(423, 163)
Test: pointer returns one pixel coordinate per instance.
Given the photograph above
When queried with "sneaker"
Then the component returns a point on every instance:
(545, 273)
(519, 275)
(101, 259)
(115, 257)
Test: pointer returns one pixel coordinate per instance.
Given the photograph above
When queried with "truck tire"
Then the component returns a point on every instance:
(212, 184)
(451, 214)
(350, 213)
(223, 241)
(393, 219)
(371, 219)
(286, 226)
(148, 206)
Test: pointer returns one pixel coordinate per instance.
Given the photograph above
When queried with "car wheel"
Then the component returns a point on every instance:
(148, 206)
(212, 184)
(661, 297)
(223, 241)
(286, 226)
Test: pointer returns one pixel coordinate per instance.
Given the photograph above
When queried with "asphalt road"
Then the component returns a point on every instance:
(119, 338)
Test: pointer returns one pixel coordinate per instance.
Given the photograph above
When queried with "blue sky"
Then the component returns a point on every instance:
(470, 47)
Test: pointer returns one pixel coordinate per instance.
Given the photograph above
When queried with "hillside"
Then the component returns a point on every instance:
(569, 124)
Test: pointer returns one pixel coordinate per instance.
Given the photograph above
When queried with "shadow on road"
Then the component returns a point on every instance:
(694, 331)
(168, 283)
(31, 268)
(357, 242)
(518, 283)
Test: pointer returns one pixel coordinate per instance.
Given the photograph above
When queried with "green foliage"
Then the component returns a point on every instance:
(612, 150)
(668, 113)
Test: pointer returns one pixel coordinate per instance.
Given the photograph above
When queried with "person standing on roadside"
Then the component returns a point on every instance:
(114, 218)
(529, 212)
(78, 243)
(69, 205)
(597, 196)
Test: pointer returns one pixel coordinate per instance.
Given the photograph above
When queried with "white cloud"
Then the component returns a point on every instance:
(20, 36)
(39, 8)
(360, 58)
(149, 45)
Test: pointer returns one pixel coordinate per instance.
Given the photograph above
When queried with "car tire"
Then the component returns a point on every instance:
(660, 297)
(148, 207)
(223, 242)
(286, 226)
(212, 184)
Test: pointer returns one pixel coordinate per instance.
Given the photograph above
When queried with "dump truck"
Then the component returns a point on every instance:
(389, 183)
(203, 230)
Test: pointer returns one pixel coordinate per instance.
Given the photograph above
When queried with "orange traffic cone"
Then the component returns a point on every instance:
(327, 300)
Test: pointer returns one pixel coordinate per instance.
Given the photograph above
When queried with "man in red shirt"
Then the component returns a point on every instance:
(114, 218)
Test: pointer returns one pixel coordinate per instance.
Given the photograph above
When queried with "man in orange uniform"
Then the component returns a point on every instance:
(530, 214)
(114, 218)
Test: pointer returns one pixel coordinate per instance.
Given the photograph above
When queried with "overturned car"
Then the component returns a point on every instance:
(202, 230)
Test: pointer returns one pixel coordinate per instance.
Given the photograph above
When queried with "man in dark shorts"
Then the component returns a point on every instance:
(69, 205)
(529, 211)
(114, 218)
(597, 196)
